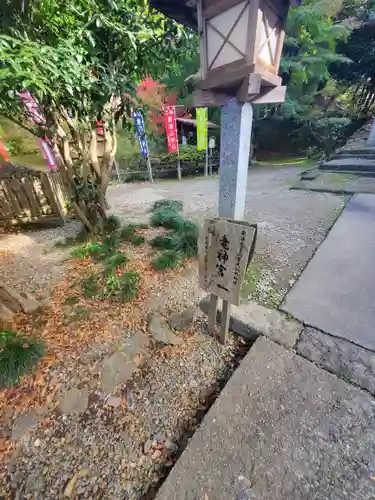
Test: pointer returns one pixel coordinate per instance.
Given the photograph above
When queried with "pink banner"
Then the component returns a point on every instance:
(36, 118)
(171, 128)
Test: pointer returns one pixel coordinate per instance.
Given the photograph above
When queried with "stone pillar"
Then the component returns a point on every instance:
(236, 122)
(371, 140)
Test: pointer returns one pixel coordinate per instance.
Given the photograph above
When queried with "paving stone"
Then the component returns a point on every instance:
(116, 369)
(281, 429)
(161, 331)
(132, 346)
(343, 358)
(335, 292)
(251, 320)
(74, 401)
(181, 321)
(23, 423)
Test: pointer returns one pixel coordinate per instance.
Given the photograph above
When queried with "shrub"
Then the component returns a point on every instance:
(79, 252)
(167, 260)
(90, 286)
(138, 240)
(164, 242)
(141, 225)
(187, 238)
(114, 261)
(173, 205)
(18, 354)
(122, 285)
(111, 224)
(127, 231)
(167, 218)
(102, 250)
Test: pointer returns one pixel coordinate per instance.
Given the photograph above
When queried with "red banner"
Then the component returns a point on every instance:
(171, 128)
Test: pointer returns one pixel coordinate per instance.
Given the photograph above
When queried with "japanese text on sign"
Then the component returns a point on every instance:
(171, 128)
(141, 132)
(201, 129)
(224, 249)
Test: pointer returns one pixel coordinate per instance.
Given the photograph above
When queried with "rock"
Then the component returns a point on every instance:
(23, 423)
(147, 446)
(161, 331)
(156, 454)
(251, 320)
(135, 345)
(116, 369)
(114, 401)
(171, 447)
(37, 443)
(74, 401)
(182, 321)
(159, 437)
(6, 317)
(18, 301)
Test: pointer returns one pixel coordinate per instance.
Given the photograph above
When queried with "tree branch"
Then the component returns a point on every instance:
(20, 124)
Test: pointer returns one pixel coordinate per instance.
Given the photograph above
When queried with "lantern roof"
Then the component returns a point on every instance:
(185, 11)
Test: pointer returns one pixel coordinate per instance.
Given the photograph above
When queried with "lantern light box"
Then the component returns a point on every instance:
(240, 45)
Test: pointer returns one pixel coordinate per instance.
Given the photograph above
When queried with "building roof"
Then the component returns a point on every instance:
(185, 11)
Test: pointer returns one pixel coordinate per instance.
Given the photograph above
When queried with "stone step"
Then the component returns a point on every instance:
(251, 320)
(349, 154)
(357, 152)
(345, 164)
(282, 428)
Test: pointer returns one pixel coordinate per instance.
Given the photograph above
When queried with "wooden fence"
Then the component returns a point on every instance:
(30, 195)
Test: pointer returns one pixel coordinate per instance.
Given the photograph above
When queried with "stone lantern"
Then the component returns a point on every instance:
(240, 46)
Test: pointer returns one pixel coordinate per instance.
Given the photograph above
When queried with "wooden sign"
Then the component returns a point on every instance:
(224, 250)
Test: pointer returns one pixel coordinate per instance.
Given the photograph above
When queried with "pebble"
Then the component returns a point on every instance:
(147, 446)
(156, 454)
(114, 401)
(37, 443)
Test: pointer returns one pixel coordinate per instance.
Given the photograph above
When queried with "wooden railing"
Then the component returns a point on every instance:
(30, 195)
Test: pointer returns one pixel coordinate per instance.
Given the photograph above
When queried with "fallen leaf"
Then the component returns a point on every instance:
(69, 489)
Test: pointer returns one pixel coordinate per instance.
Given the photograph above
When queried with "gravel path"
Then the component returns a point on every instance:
(292, 223)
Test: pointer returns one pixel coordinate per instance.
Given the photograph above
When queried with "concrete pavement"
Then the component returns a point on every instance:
(336, 291)
(282, 429)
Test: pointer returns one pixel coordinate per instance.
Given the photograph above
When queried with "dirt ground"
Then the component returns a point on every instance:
(291, 223)
(118, 442)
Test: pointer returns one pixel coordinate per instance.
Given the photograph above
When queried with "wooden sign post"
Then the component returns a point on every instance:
(225, 250)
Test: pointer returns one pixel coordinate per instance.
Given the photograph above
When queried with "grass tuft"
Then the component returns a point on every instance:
(111, 224)
(172, 205)
(127, 232)
(18, 353)
(90, 286)
(138, 240)
(114, 261)
(163, 242)
(168, 259)
(79, 252)
(123, 286)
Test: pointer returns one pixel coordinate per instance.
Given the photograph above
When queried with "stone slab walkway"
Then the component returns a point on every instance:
(336, 291)
(296, 432)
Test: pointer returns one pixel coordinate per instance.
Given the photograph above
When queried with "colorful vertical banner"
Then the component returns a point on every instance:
(3, 152)
(36, 117)
(201, 129)
(139, 125)
(171, 128)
